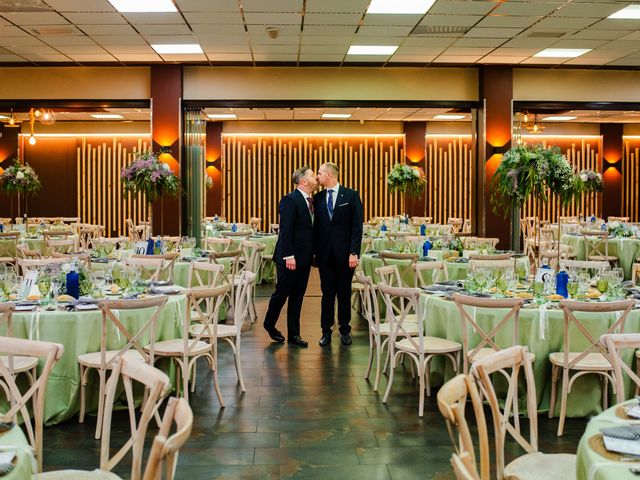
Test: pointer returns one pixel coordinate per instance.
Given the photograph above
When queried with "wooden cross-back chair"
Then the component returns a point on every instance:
(453, 398)
(439, 272)
(487, 341)
(615, 343)
(594, 359)
(37, 264)
(252, 253)
(217, 244)
(9, 248)
(49, 353)
(596, 246)
(61, 245)
(421, 349)
(598, 266)
(135, 343)
(533, 464)
(156, 267)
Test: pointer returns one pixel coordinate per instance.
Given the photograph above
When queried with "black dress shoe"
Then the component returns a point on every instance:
(275, 335)
(325, 340)
(346, 339)
(297, 340)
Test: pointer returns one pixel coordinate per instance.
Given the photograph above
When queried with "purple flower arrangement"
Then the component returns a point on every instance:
(19, 178)
(149, 176)
(591, 181)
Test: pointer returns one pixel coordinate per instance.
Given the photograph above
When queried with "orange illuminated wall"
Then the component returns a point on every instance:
(631, 178)
(8, 151)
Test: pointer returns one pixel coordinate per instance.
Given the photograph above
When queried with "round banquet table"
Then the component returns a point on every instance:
(594, 462)
(541, 329)
(79, 332)
(456, 271)
(24, 463)
(266, 274)
(626, 249)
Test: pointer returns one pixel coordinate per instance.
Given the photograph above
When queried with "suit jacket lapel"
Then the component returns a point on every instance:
(303, 202)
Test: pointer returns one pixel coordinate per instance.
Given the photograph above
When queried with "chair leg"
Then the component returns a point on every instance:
(236, 357)
(390, 382)
(637, 373)
(82, 394)
(193, 376)
(370, 362)
(185, 377)
(554, 390)
(427, 377)
(421, 403)
(101, 400)
(605, 393)
(378, 361)
(563, 400)
(216, 386)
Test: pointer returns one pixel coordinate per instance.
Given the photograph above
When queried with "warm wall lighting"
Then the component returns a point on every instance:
(177, 48)
(448, 116)
(4, 117)
(337, 135)
(222, 116)
(399, 7)
(165, 149)
(558, 118)
(143, 6)
(32, 139)
(106, 116)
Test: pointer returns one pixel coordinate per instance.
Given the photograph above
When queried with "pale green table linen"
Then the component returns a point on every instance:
(626, 249)
(24, 464)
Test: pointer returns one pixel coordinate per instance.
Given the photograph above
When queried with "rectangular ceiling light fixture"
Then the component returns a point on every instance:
(106, 116)
(336, 116)
(222, 116)
(398, 7)
(448, 116)
(372, 50)
(179, 48)
(558, 118)
(562, 52)
(631, 12)
(144, 6)
(4, 117)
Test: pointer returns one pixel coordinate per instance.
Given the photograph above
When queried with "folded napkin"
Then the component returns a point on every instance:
(166, 290)
(6, 461)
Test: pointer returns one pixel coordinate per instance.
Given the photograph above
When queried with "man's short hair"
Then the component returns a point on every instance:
(333, 168)
(299, 174)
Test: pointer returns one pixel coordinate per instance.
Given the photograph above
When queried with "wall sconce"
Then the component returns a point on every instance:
(497, 150)
(164, 149)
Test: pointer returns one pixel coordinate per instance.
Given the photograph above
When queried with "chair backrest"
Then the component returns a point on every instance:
(254, 223)
(514, 359)
(456, 223)
(274, 228)
(217, 244)
(620, 308)
(206, 303)
(157, 385)
(9, 244)
(439, 272)
(388, 258)
(390, 275)
(409, 302)
(504, 264)
(24, 252)
(112, 310)
(420, 220)
(463, 468)
(252, 252)
(487, 336)
(233, 257)
(370, 306)
(205, 274)
(88, 235)
(599, 267)
(595, 243)
(157, 267)
(47, 352)
(491, 258)
(243, 298)
(84, 258)
(165, 447)
(635, 273)
(61, 245)
(452, 400)
(615, 343)
(27, 264)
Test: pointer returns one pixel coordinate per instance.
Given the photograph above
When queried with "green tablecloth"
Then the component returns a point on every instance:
(266, 274)
(593, 466)
(626, 249)
(542, 335)
(456, 271)
(79, 332)
(15, 439)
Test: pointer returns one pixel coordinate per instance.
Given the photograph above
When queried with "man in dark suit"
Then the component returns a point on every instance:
(337, 239)
(293, 256)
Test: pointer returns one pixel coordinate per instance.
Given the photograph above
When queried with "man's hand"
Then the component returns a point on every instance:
(290, 263)
(353, 261)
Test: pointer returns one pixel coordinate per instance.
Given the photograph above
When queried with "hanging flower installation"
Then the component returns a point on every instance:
(19, 179)
(149, 176)
(407, 179)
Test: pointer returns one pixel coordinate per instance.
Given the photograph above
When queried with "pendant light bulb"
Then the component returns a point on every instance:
(32, 140)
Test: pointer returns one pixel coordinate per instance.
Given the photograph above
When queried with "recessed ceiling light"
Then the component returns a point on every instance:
(334, 116)
(629, 12)
(562, 52)
(143, 6)
(448, 116)
(400, 6)
(167, 48)
(558, 118)
(222, 116)
(106, 116)
(372, 49)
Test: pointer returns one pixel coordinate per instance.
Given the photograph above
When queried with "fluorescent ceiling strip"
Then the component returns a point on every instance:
(631, 12)
(561, 52)
(446, 116)
(372, 49)
(558, 118)
(342, 116)
(223, 116)
(177, 48)
(399, 7)
(528, 135)
(143, 6)
(107, 116)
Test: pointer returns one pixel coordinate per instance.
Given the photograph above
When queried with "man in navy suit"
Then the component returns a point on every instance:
(293, 256)
(337, 239)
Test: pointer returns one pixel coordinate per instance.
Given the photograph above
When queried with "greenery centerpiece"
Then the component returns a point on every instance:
(149, 176)
(20, 179)
(408, 180)
(590, 181)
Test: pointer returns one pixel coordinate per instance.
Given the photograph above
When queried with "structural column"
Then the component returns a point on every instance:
(415, 155)
(213, 164)
(496, 92)
(612, 145)
(166, 96)
(8, 152)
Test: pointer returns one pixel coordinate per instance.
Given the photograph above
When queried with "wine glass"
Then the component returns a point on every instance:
(572, 287)
(602, 284)
(538, 289)
(584, 279)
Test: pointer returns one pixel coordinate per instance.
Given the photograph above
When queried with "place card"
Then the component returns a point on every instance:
(28, 283)
(140, 248)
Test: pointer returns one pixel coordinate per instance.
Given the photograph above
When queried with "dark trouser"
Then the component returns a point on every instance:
(290, 284)
(335, 280)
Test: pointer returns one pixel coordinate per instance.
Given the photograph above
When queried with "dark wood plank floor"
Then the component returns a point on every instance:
(307, 413)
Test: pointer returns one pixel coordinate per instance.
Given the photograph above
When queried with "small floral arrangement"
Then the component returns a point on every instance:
(149, 176)
(590, 181)
(58, 273)
(208, 182)
(19, 178)
(408, 179)
(449, 243)
(618, 229)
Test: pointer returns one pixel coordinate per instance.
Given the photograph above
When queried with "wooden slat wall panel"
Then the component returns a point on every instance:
(582, 153)
(257, 171)
(448, 168)
(100, 201)
(631, 179)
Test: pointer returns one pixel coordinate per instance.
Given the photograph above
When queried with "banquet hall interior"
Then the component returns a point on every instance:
(148, 149)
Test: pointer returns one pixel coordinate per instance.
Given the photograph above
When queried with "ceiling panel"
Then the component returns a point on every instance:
(59, 40)
(451, 20)
(126, 49)
(229, 57)
(406, 20)
(48, 58)
(229, 30)
(262, 18)
(412, 58)
(11, 31)
(311, 18)
(454, 7)
(595, 34)
(274, 49)
(275, 57)
(457, 58)
(92, 57)
(137, 57)
(220, 18)
(170, 29)
(35, 18)
(208, 5)
(83, 6)
(107, 29)
(492, 32)
(110, 40)
(152, 18)
(337, 6)
(587, 10)
(504, 21)
(272, 5)
(95, 18)
(537, 8)
(213, 49)
(314, 57)
(11, 58)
